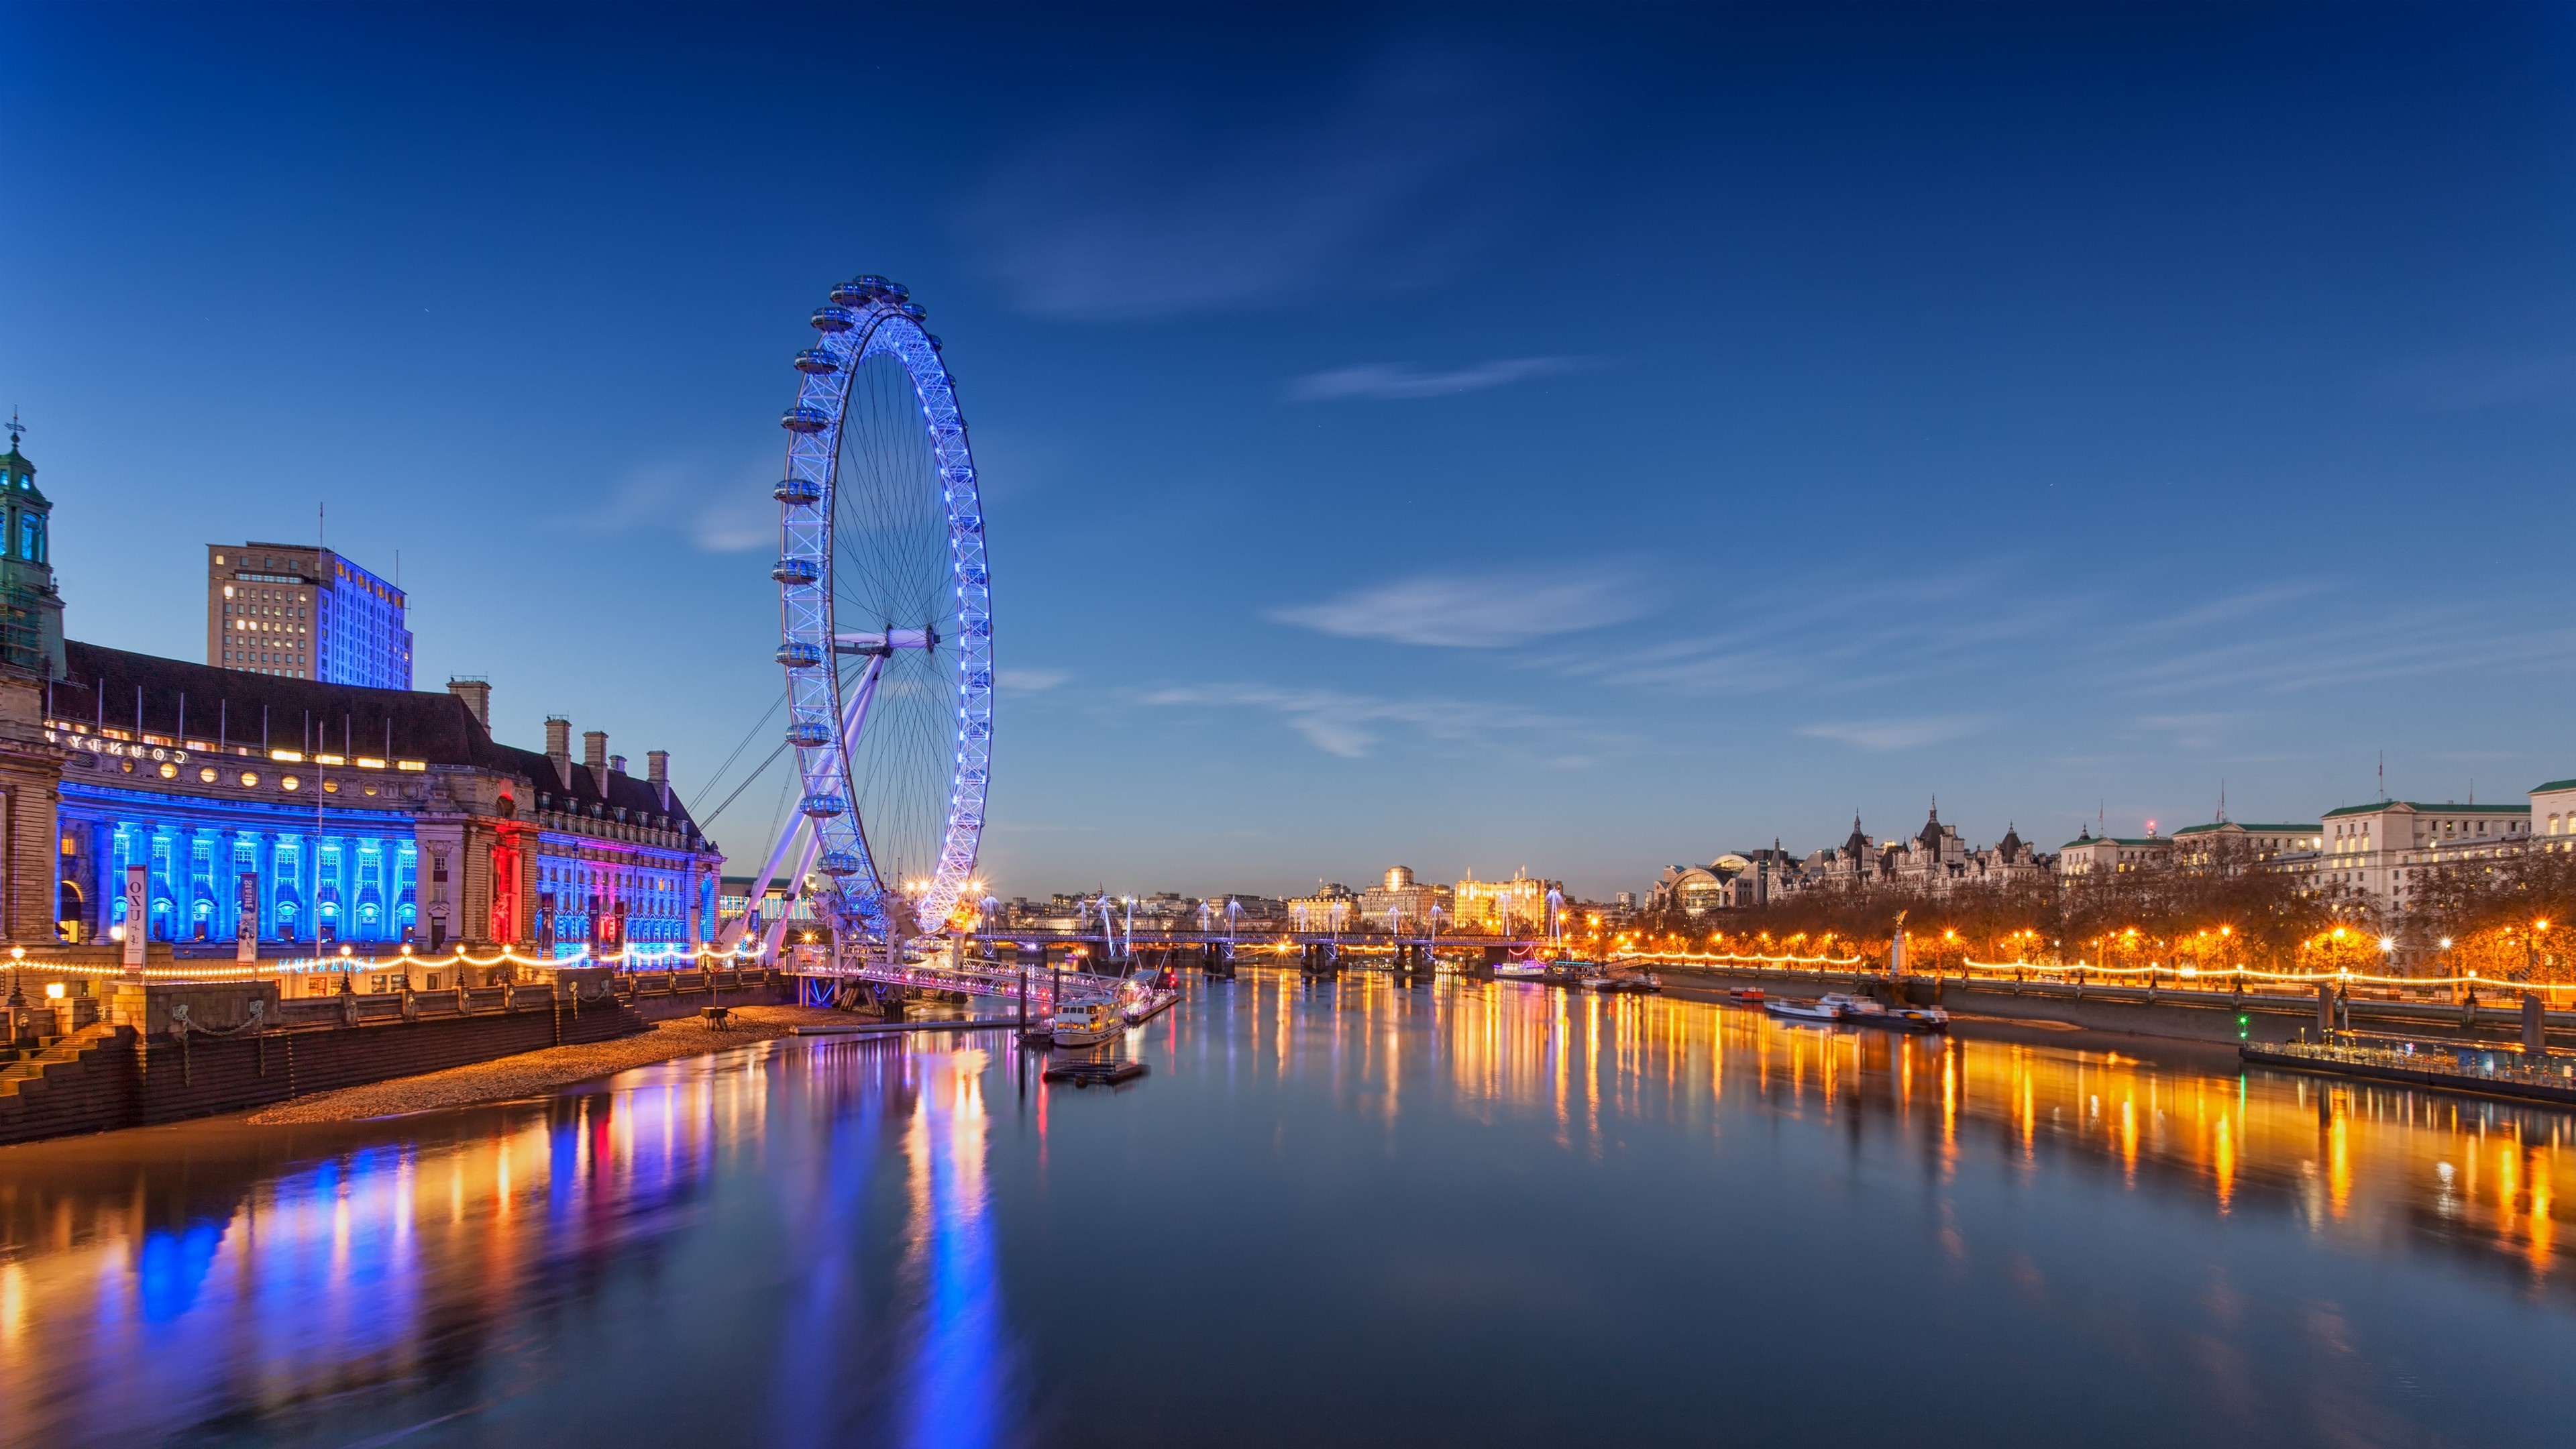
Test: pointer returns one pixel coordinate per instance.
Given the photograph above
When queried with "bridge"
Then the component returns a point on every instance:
(955, 965)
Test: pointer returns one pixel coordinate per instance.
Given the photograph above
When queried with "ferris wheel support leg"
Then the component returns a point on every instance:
(777, 932)
(735, 929)
(855, 716)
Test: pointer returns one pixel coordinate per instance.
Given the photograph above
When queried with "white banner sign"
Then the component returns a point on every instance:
(138, 921)
(246, 919)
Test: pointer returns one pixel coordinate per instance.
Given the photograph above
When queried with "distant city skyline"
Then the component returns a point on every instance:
(1582, 440)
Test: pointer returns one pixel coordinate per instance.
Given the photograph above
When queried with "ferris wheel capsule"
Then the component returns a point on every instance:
(817, 359)
(800, 492)
(833, 319)
(804, 420)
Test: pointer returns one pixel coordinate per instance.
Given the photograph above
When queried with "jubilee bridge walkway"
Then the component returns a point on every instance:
(1037, 966)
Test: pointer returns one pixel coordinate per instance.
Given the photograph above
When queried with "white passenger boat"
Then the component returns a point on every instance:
(1825, 1009)
(1520, 970)
(1086, 1023)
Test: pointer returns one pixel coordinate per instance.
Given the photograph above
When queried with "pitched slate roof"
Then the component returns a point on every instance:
(271, 712)
(634, 795)
(265, 711)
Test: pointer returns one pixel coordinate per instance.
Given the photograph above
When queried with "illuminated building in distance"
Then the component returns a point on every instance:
(304, 612)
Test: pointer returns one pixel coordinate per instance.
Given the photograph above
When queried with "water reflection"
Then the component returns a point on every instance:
(915, 1242)
(2361, 1158)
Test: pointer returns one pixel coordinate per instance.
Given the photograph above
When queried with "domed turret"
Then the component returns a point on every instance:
(31, 612)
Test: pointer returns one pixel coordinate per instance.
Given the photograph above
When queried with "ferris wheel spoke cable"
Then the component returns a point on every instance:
(717, 779)
(747, 782)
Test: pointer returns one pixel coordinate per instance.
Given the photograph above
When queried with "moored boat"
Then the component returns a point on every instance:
(1869, 1011)
(1143, 997)
(1745, 995)
(1086, 1023)
(1789, 1008)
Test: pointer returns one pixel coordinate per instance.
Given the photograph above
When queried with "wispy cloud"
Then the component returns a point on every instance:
(2358, 649)
(1395, 382)
(1825, 634)
(1351, 725)
(1162, 213)
(1473, 612)
(716, 509)
(2191, 731)
(1030, 681)
(2476, 383)
(1897, 734)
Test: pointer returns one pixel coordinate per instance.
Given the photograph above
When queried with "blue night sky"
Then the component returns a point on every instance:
(1577, 438)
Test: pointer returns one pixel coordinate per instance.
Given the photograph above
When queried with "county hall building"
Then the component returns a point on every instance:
(319, 812)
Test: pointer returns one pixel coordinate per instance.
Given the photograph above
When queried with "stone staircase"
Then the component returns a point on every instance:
(22, 1064)
(64, 1083)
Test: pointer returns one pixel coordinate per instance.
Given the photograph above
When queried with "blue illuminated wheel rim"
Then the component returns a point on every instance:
(885, 618)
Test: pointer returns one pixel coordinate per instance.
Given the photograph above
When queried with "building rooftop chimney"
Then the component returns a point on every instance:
(476, 691)
(559, 748)
(594, 749)
(617, 764)
(657, 766)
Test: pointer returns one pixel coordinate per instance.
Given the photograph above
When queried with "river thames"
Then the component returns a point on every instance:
(1351, 1213)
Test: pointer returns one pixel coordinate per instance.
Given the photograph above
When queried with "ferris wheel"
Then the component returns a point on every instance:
(886, 624)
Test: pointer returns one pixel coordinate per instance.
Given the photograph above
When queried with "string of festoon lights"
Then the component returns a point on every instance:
(2304, 978)
(1733, 959)
(632, 958)
(2160, 972)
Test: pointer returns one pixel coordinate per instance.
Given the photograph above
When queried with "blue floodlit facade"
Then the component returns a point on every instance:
(360, 816)
(365, 636)
(355, 879)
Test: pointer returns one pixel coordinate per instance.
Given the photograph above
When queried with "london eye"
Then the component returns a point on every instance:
(885, 624)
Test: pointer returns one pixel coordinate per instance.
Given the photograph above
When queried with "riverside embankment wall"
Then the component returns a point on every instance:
(2164, 1012)
(137, 1072)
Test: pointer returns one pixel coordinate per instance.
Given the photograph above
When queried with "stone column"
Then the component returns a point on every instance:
(102, 860)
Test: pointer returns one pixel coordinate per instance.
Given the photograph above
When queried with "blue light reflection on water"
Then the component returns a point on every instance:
(1473, 1211)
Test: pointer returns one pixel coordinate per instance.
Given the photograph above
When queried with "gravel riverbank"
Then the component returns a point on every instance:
(531, 1073)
